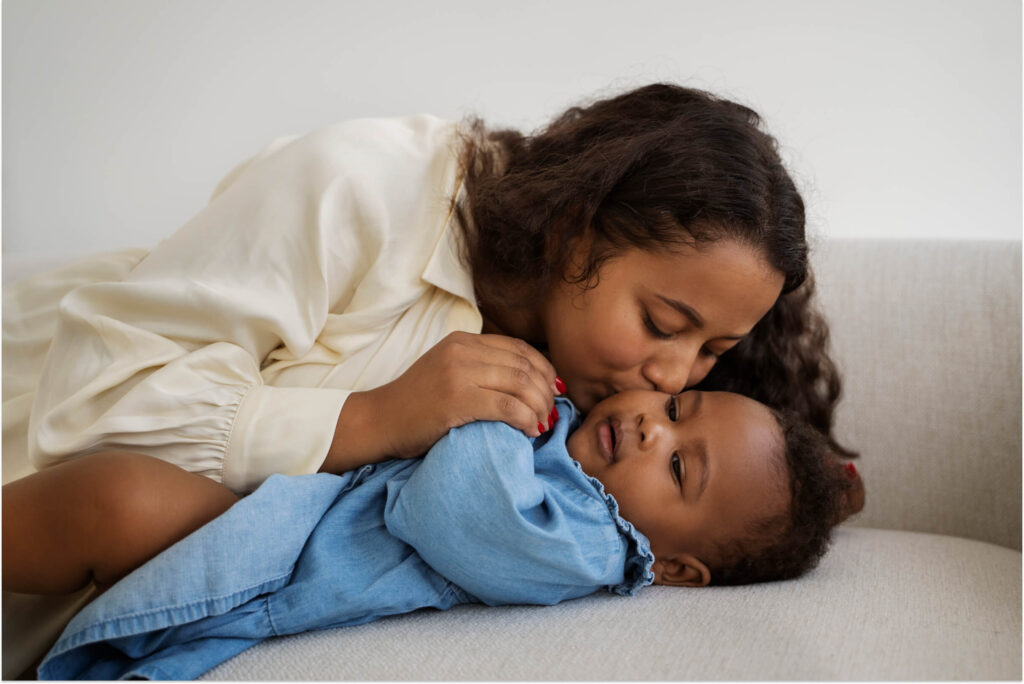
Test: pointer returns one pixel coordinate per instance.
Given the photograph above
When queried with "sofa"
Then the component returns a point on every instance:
(923, 584)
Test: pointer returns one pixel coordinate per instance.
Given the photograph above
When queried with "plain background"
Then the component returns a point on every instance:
(899, 118)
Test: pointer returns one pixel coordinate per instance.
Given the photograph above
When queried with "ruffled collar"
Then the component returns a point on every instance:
(638, 571)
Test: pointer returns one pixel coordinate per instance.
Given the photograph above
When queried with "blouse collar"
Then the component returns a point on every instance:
(446, 268)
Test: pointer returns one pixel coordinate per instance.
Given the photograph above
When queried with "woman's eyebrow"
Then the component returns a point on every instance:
(692, 315)
(684, 309)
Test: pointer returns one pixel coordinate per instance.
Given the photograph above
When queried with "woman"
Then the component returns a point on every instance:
(636, 243)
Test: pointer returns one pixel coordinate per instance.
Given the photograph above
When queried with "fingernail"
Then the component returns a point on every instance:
(851, 470)
(559, 385)
(555, 412)
(551, 420)
(540, 426)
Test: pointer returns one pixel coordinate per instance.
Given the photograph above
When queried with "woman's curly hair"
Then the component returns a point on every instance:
(655, 168)
(787, 545)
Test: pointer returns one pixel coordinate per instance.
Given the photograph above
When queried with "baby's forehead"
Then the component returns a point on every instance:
(734, 402)
(765, 428)
(749, 440)
(736, 409)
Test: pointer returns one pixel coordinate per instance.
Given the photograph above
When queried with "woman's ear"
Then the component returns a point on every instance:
(681, 570)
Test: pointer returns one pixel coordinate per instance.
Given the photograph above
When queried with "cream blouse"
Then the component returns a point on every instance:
(326, 264)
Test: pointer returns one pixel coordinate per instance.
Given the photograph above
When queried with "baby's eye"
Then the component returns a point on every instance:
(670, 408)
(677, 466)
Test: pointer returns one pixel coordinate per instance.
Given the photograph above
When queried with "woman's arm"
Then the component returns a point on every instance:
(169, 361)
(97, 518)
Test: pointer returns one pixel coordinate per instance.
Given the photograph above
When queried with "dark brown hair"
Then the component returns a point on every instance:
(656, 167)
(789, 544)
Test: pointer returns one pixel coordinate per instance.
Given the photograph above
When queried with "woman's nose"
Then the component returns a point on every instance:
(673, 372)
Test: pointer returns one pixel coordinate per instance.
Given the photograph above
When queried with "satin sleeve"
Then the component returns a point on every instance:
(167, 362)
(479, 514)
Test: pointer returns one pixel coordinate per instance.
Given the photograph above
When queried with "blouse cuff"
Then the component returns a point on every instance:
(285, 430)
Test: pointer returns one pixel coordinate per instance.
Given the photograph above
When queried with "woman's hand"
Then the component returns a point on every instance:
(463, 378)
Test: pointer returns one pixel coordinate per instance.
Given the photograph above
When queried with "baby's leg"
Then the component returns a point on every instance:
(99, 517)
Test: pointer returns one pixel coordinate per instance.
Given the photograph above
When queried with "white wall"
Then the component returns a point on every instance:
(900, 118)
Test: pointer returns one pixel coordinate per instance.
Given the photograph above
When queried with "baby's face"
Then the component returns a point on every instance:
(689, 471)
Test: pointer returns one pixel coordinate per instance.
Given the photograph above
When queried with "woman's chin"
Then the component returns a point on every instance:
(583, 401)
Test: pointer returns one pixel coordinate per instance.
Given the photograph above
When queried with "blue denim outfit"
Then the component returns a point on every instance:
(487, 516)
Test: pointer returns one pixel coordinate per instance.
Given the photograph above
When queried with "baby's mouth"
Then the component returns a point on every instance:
(609, 435)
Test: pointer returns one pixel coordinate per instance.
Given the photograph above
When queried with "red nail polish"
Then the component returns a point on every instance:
(540, 426)
(851, 470)
(560, 385)
(551, 421)
(554, 412)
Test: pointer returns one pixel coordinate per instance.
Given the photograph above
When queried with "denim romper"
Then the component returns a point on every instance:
(487, 516)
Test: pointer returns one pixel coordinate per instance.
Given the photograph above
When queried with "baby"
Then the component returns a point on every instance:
(683, 490)
(727, 491)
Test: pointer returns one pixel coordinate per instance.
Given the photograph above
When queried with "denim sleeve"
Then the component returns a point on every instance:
(478, 513)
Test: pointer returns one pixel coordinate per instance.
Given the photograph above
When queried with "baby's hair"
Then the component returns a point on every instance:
(786, 545)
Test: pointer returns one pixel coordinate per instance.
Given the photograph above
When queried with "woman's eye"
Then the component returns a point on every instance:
(655, 330)
(677, 466)
(670, 408)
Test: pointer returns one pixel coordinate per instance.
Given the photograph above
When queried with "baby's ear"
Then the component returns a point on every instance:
(681, 570)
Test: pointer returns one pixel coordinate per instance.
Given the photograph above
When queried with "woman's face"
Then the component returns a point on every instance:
(655, 319)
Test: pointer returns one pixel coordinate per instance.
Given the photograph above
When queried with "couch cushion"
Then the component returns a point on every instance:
(928, 336)
(882, 605)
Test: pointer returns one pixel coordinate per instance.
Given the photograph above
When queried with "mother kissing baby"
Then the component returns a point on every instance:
(649, 241)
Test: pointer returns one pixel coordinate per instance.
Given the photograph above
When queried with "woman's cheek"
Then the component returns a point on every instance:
(619, 345)
(700, 371)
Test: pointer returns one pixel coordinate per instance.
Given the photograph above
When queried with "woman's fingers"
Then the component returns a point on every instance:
(519, 388)
(537, 360)
(507, 365)
(464, 377)
(500, 406)
(508, 371)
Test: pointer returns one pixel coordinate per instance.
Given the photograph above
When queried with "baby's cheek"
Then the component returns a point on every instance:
(634, 502)
(572, 444)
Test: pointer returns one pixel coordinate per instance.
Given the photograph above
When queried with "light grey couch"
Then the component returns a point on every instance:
(924, 584)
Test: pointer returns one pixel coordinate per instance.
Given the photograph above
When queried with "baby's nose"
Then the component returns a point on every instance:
(651, 432)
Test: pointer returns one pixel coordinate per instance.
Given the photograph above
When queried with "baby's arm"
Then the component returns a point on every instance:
(478, 512)
(99, 517)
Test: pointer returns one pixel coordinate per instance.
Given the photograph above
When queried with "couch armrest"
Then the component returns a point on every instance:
(928, 337)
